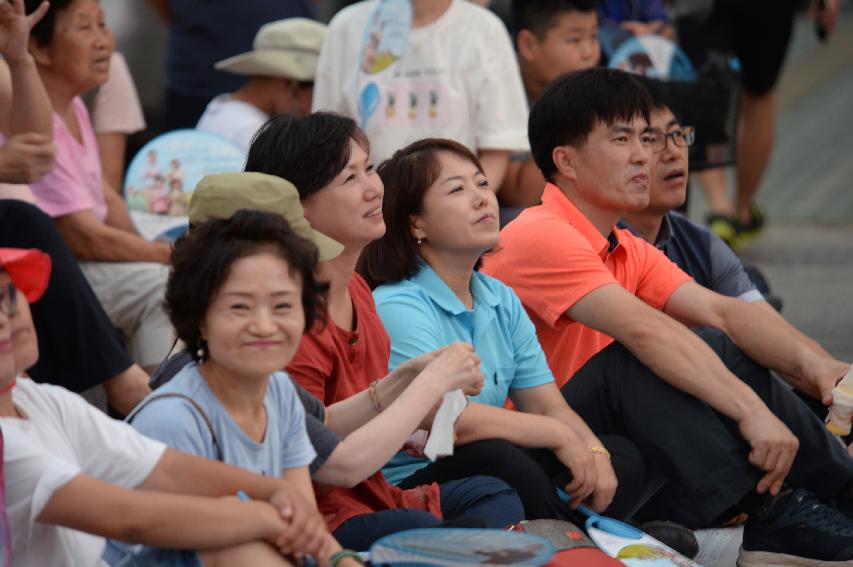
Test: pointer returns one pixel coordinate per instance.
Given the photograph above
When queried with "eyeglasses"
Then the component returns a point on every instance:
(683, 137)
(9, 299)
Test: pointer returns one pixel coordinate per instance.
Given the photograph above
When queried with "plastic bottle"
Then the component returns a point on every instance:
(838, 422)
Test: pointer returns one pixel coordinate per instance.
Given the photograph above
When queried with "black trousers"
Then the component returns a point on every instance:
(699, 451)
(79, 347)
(535, 474)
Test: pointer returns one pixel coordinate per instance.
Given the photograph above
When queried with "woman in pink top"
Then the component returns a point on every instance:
(71, 47)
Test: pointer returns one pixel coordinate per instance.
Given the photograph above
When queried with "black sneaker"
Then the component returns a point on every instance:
(676, 536)
(794, 528)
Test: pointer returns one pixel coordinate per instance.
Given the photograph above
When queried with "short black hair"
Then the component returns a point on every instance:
(538, 16)
(308, 151)
(407, 176)
(202, 260)
(657, 92)
(574, 104)
(42, 32)
(659, 95)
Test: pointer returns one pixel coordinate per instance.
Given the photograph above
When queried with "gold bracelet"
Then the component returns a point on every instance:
(374, 396)
(600, 450)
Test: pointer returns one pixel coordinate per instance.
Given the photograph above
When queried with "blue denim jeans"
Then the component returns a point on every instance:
(481, 497)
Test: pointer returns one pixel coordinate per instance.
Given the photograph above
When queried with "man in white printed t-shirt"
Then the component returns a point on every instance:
(280, 71)
(457, 78)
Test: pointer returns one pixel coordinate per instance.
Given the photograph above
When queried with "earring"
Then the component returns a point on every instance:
(201, 350)
(420, 241)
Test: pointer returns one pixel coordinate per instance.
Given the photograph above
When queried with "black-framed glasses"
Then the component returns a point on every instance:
(9, 299)
(682, 137)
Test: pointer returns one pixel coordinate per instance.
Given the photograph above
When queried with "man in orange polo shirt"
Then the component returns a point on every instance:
(725, 437)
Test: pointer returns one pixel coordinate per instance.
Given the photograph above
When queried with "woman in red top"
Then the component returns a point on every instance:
(326, 157)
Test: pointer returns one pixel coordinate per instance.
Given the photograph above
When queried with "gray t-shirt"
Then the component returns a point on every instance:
(178, 423)
(322, 438)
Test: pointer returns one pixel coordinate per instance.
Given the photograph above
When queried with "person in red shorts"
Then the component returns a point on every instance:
(723, 432)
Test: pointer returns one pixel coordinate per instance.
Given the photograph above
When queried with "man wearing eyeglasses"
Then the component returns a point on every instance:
(697, 251)
(612, 314)
(693, 247)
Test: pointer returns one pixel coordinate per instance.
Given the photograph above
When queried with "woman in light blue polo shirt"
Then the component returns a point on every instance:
(441, 217)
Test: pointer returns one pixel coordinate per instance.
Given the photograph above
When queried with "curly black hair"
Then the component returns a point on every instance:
(202, 260)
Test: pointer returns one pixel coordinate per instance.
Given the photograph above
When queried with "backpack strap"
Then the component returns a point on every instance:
(192, 402)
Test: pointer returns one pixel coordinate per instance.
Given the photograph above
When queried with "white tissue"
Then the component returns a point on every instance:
(440, 442)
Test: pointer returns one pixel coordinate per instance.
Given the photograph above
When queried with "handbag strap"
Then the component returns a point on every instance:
(192, 402)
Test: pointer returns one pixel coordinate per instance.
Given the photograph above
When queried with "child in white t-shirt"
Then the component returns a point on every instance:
(457, 77)
(75, 476)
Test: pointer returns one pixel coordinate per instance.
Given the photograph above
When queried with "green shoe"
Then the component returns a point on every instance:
(724, 227)
(755, 225)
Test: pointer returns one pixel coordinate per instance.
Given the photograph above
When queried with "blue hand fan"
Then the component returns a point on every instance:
(456, 547)
(631, 546)
(162, 176)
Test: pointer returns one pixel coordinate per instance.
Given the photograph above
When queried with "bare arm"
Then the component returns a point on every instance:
(300, 478)
(687, 362)
(523, 184)
(777, 318)
(763, 335)
(158, 519)
(600, 478)
(180, 473)
(371, 446)
(548, 401)
(494, 164)
(118, 215)
(805, 387)
(682, 359)
(92, 240)
(112, 146)
(30, 109)
(347, 415)
(482, 421)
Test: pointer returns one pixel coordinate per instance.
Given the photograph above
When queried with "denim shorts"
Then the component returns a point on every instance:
(120, 554)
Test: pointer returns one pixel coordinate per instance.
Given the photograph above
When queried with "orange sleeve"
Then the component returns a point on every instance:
(659, 276)
(549, 268)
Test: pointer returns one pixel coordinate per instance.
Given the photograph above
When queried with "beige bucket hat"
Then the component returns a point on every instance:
(284, 48)
(222, 194)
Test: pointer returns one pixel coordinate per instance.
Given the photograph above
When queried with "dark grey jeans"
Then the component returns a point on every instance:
(700, 453)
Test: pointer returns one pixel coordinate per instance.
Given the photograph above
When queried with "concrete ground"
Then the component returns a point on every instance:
(807, 250)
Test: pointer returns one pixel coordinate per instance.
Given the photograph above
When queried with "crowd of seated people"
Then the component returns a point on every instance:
(281, 365)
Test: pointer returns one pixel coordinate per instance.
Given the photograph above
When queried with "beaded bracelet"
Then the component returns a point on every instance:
(374, 396)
